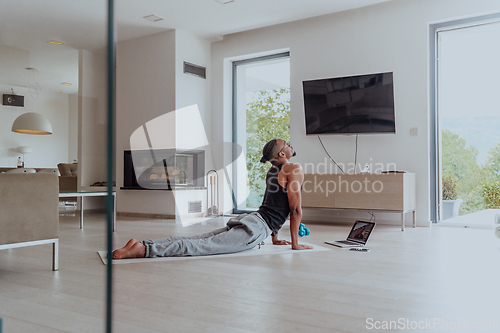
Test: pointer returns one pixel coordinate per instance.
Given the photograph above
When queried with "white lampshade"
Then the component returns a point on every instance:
(24, 149)
(32, 123)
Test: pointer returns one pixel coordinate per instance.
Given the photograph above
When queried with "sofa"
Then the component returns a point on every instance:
(30, 213)
(68, 177)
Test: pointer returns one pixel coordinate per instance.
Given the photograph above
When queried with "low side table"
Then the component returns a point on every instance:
(90, 193)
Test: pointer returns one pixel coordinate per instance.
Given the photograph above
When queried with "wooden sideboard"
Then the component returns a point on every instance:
(387, 192)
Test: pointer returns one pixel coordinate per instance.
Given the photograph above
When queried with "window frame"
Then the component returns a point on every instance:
(234, 113)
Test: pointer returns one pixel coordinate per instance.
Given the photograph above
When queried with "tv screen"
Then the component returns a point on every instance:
(350, 105)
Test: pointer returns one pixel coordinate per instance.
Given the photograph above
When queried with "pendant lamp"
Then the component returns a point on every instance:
(32, 123)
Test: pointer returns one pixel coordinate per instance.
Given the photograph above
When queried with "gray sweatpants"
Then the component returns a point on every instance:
(240, 233)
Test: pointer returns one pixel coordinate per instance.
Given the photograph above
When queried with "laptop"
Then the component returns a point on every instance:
(358, 236)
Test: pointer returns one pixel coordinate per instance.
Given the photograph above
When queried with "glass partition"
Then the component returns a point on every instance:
(53, 152)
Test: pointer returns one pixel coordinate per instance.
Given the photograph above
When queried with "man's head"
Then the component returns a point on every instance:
(277, 151)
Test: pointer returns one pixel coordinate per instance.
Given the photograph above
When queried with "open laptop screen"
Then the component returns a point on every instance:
(361, 231)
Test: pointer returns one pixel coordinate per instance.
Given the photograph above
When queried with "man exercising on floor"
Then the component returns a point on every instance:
(282, 198)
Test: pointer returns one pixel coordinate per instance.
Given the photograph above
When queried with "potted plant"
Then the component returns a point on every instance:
(451, 203)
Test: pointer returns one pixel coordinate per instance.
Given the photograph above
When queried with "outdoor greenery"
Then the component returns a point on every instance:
(493, 161)
(491, 194)
(449, 188)
(268, 117)
(477, 185)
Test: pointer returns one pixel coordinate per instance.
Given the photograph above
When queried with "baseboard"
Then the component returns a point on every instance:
(94, 210)
(85, 211)
(325, 216)
(146, 215)
(322, 220)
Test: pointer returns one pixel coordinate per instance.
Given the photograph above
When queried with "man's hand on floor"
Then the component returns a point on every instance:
(281, 242)
(301, 247)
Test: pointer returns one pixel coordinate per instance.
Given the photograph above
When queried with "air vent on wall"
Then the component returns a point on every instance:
(194, 207)
(195, 70)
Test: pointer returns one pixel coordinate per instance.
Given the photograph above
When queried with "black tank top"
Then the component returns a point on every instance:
(275, 207)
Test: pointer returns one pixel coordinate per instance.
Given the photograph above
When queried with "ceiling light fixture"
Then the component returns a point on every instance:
(32, 123)
(223, 2)
(67, 84)
(55, 42)
(153, 18)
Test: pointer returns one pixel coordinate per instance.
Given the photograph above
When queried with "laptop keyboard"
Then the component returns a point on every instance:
(349, 243)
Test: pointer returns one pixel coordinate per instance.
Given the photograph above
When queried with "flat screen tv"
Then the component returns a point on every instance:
(350, 105)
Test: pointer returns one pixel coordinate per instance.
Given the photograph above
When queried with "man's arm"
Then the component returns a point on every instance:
(295, 178)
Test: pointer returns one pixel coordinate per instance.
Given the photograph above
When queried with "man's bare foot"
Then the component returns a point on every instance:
(133, 249)
(119, 252)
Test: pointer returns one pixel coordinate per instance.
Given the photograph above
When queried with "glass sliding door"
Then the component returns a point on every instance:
(469, 118)
(261, 112)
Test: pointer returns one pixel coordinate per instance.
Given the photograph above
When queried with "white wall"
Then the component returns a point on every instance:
(391, 36)
(92, 116)
(48, 150)
(190, 89)
(72, 128)
(92, 122)
(151, 83)
(145, 89)
(193, 130)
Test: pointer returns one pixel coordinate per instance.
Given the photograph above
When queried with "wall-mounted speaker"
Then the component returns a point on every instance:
(13, 100)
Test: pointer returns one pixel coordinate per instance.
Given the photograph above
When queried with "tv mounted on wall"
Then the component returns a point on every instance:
(350, 105)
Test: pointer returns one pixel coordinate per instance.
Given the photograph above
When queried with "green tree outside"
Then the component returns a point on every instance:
(491, 194)
(459, 162)
(493, 162)
(268, 117)
(491, 187)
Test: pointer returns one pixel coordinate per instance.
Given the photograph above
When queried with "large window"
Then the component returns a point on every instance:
(468, 85)
(261, 112)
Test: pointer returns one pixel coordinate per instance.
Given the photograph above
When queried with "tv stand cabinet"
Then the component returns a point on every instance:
(391, 192)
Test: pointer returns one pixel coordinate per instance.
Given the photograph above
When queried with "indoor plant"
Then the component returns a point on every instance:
(451, 203)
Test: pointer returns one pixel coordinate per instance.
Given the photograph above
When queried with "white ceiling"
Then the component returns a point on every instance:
(26, 26)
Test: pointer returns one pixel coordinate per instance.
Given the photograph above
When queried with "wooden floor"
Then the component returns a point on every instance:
(436, 278)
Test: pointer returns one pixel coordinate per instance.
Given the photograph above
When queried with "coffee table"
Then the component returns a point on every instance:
(90, 193)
